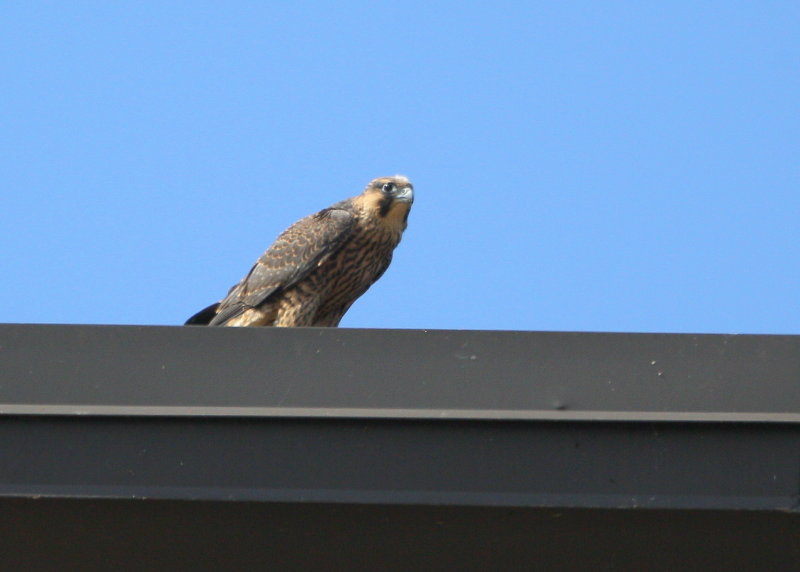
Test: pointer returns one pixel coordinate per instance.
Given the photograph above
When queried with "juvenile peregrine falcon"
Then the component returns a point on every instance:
(320, 265)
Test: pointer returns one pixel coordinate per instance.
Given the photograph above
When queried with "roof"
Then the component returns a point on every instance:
(561, 447)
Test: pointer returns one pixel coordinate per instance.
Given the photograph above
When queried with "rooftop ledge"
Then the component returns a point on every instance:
(425, 374)
(172, 448)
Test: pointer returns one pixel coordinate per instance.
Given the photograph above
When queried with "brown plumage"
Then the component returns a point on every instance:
(321, 264)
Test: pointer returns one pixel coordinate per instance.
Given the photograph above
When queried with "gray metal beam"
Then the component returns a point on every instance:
(390, 373)
(159, 448)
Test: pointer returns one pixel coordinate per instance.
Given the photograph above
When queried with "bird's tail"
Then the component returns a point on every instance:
(204, 316)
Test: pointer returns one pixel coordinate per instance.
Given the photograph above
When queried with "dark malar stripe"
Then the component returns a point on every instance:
(384, 205)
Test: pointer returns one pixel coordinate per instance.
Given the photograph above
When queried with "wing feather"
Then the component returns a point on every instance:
(293, 255)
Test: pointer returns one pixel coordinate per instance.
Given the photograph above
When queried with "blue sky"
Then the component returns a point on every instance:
(587, 166)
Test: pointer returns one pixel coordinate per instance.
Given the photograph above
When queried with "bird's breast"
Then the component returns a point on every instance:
(354, 267)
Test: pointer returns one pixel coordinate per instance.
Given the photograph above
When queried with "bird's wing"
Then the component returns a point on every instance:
(294, 254)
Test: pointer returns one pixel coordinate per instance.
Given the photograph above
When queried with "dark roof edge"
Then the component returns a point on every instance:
(396, 413)
(408, 374)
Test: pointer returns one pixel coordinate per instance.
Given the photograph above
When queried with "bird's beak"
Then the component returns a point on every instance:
(405, 195)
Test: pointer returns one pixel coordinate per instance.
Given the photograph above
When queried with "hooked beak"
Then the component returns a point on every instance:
(405, 194)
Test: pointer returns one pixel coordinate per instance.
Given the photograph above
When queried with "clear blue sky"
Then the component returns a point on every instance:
(601, 166)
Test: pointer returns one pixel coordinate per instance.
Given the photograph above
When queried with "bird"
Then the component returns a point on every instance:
(320, 265)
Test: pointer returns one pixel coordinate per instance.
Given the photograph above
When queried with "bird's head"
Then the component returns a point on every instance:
(389, 199)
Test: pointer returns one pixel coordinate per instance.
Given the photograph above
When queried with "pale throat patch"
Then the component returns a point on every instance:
(395, 218)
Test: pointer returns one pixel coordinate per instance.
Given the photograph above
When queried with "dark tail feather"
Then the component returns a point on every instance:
(204, 316)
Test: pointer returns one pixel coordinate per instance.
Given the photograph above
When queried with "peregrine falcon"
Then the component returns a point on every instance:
(320, 265)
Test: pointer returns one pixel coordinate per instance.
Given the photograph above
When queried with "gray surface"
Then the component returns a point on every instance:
(402, 461)
(156, 448)
(388, 373)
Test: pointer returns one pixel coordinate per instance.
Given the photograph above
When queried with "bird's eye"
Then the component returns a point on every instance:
(388, 187)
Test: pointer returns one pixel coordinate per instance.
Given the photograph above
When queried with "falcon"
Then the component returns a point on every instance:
(320, 265)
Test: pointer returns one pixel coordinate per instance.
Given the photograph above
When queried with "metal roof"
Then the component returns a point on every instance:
(338, 443)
